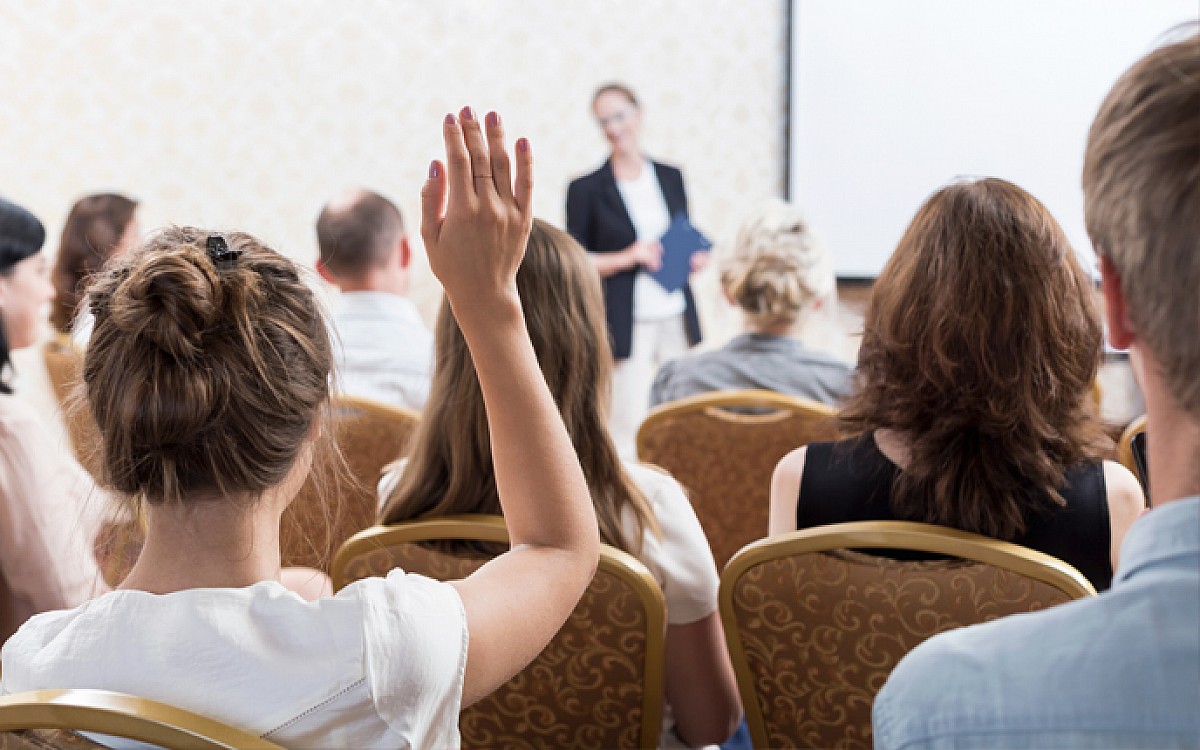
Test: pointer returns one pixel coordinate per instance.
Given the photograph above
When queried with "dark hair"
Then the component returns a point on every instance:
(619, 88)
(450, 468)
(204, 381)
(21, 237)
(93, 230)
(1141, 191)
(353, 237)
(980, 346)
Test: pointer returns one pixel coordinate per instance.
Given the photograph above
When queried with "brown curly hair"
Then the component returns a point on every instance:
(980, 347)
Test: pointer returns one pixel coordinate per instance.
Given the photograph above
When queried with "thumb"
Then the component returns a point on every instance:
(433, 201)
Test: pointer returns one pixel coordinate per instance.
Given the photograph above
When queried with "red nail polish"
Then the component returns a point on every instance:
(468, 114)
(493, 120)
(434, 169)
(449, 119)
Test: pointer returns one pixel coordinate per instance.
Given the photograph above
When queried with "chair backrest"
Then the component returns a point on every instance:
(1125, 448)
(24, 717)
(723, 447)
(327, 512)
(117, 546)
(815, 625)
(64, 365)
(598, 684)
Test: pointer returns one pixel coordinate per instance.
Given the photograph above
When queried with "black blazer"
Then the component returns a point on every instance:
(598, 220)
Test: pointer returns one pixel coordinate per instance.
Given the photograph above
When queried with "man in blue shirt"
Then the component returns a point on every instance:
(1121, 669)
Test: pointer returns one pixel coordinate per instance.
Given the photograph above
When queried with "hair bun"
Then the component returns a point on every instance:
(170, 300)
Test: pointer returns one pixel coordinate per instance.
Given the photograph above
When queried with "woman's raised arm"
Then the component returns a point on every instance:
(475, 223)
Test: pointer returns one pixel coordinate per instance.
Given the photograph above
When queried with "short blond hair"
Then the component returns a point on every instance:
(1141, 187)
(776, 267)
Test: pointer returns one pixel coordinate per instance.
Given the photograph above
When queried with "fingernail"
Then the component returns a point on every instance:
(493, 120)
(434, 169)
(449, 119)
(468, 114)
(523, 145)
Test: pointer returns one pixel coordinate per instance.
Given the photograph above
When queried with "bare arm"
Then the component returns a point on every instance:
(785, 492)
(701, 686)
(516, 603)
(1126, 502)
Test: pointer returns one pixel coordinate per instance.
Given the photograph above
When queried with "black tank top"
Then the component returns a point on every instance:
(852, 481)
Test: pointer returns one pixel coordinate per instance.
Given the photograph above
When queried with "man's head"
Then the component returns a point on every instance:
(1141, 185)
(362, 243)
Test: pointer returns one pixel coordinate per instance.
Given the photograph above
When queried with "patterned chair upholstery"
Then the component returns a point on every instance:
(369, 435)
(815, 625)
(50, 719)
(598, 684)
(1125, 449)
(64, 365)
(723, 447)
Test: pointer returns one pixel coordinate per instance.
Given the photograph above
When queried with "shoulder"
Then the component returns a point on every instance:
(589, 180)
(1122, 488)
(659, 486)
(665, 170)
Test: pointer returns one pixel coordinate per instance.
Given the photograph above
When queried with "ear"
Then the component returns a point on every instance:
(325, 272)
(1120, 330)
(405, 251)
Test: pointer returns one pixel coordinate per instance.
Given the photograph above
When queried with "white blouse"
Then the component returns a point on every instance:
(380, 664)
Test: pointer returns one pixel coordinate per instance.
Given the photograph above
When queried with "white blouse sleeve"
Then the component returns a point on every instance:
(415, 649)
(681, 561)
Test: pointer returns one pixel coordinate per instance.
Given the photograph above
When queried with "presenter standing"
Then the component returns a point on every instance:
(619, 213)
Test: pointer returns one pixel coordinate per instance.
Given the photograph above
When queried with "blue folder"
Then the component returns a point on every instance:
(680, 243)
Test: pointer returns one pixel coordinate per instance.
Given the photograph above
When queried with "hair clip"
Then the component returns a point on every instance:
(219, 252)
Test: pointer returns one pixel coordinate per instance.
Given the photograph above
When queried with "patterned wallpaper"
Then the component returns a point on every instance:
(249, 114)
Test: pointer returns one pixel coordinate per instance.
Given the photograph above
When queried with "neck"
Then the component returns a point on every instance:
(1172, 434)
(377, 280)
(627, 162)
(793, 330)
(216, 543)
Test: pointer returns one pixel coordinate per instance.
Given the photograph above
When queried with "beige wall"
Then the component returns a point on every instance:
(249, 114)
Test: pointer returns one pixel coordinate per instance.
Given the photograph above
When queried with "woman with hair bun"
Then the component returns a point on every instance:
(778, 273)
(208, 375)
(972, 403)
(49, 512)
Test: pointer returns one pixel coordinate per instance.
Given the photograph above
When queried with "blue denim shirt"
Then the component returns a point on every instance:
(1119, 670)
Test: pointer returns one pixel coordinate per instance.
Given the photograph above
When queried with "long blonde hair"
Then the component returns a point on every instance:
(450, 469)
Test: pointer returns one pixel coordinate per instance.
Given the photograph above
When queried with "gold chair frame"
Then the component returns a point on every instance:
(818, 420)
(122, 715)
(488, 528)
(905, 535)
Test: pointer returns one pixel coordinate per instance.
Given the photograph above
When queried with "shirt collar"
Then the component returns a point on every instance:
(1169, 531)
(379, 302)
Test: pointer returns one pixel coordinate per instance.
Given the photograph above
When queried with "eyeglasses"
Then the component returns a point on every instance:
(620, 117)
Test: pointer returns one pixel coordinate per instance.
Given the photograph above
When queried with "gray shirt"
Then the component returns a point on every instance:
(754, 361)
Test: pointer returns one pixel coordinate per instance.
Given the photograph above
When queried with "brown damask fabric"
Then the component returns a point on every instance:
(45, 739)
(822, 632)
(330, 509)
(585, 690)
(725, 461)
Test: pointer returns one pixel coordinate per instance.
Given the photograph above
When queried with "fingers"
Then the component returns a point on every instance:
(458, 160)
(433, 199)
(481, 166)
(501, 172)
(523, 190)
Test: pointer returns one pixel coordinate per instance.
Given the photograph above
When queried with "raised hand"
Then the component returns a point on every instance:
(475, 219)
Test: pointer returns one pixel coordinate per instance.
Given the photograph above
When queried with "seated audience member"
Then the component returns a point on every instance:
(973, 401)
(1121, 670)
(382, 349)
(208, 373)
(99, 227)
(639, 509)
(49, 512)
(778, 273)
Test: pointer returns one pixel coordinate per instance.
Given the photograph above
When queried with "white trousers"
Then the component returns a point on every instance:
(654, 342)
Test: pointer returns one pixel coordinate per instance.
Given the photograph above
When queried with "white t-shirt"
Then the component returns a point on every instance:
(681, 561)
(378, 665)
(647, 209)
(382, 349)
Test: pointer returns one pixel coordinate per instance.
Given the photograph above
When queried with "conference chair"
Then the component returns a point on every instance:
(117, 546)
(815, 624)
(1125, 452)
(598, 684)
(53, 718)
(723, 447)
(334, 504)
(64, 366)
